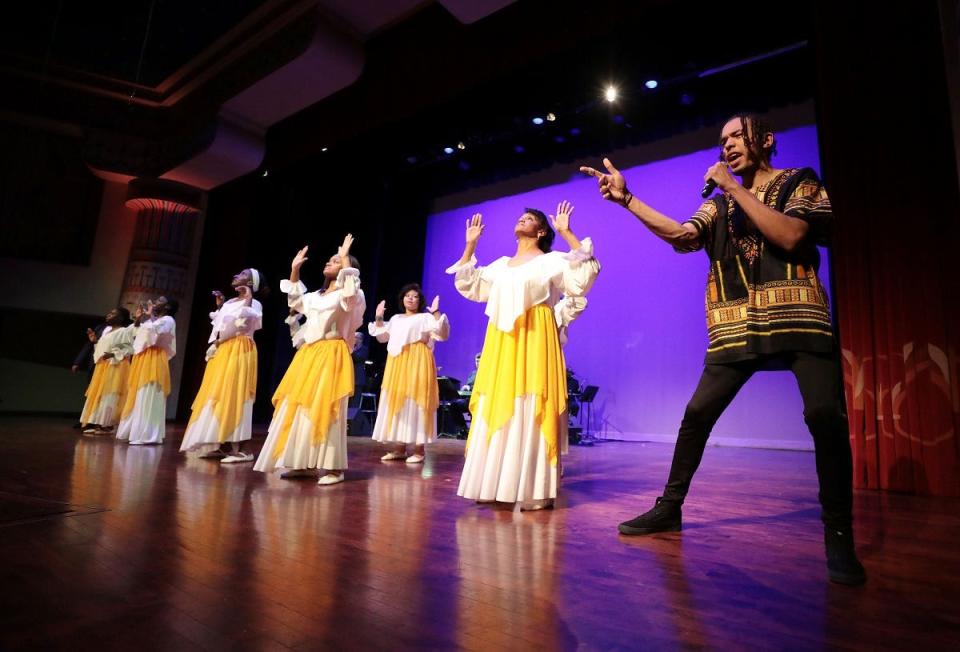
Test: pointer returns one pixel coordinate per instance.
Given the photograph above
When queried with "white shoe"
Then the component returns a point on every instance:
(535, 505)
(298, 473)
(237, 458)
(392, 456)
(331, 478)
(415, 459)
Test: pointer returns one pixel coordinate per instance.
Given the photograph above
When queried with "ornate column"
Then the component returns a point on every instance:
(163, 241)
(163, 255)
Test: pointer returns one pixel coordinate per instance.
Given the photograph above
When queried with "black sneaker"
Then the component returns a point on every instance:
(842, 563)
(664, 517)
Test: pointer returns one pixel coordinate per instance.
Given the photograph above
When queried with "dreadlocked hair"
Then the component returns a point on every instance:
(755, 131)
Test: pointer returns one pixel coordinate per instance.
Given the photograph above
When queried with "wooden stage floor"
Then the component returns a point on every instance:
(110, 547)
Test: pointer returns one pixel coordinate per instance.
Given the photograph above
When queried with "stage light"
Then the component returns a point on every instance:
(559, 139)
(461, 146)
(610, 94)
(551, 117)
(686, 99)
(266, 173)
(575, 131)
(651, 83)
(323, 149)
(538, 121)
(519, 149)
(448, 150)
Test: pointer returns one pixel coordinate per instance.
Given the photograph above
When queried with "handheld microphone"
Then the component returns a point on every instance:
(708, 188)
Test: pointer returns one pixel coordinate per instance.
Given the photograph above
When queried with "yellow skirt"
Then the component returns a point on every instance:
(411, 375)
(229, 381)
(318, 378)
(526, 361)
(107, 379)
(149, 366)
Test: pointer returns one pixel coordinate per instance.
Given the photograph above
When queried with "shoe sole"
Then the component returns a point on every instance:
(847, 580)
(636, 531)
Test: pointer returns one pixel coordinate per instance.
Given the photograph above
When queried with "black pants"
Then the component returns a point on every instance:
(819, 379)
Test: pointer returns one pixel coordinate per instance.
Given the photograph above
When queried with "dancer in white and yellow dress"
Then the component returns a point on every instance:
(309, 426)
(106, 391)
(143, 419)
(222, 412)
(519, 400)
(409, 395)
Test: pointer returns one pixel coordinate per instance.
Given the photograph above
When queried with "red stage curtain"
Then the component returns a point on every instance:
(889, 164)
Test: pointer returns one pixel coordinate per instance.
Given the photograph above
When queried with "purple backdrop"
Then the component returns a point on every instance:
(643, 336)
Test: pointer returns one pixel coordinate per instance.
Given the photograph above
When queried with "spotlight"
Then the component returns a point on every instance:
(448, 150)
(461, 146)
(575, 131)
(610, 94)
(266, 173)
(551, 117)
(538, 120)
(651, 83)
(323, 149)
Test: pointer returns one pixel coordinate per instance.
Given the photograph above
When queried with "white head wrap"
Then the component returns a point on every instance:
(255, 276)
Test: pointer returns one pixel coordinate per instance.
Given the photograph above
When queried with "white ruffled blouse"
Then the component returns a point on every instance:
(559, 280)
(404, 329)
(330, 315)
(160, 332)
(234, 318)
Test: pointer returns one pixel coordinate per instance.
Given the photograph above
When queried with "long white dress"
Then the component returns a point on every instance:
(223, 408)
(109, 383)
(519, 425)
(145, 408)
(409, 396)
(319, 381)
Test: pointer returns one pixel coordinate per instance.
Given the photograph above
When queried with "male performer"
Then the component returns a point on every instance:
(766, 309)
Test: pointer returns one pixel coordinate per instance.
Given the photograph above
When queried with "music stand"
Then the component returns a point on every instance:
(450, 400)
(586, 401)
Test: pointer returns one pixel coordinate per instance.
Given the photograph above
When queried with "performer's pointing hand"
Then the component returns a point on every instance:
(613, 187)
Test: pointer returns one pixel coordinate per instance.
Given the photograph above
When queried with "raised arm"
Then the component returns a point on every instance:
(468, 278)
(613, 187)
(782, 230)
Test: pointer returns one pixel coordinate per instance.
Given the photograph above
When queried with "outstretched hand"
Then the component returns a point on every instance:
(561, 223)
(381, 310)
(344, 251)
(299, 259)
(613, 187)
(475, 228)
(435, 306)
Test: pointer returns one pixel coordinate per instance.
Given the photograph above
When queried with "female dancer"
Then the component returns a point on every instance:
(223, 409)
(144, 416)
(409, 396)
(519, 400)
(309, 426)
(111, 357)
